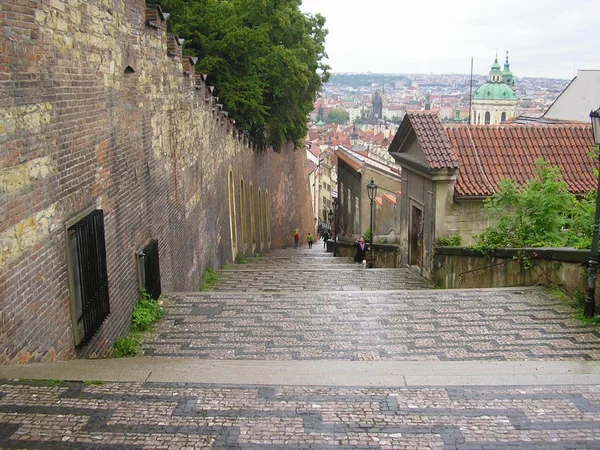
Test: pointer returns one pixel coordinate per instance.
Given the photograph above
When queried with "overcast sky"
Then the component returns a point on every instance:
(545, 38)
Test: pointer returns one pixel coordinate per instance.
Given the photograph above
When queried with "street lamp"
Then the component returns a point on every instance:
(590, 299)
(335, 205)
(372, 192)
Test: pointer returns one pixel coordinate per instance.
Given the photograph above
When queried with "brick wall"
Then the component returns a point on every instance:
(98, 109)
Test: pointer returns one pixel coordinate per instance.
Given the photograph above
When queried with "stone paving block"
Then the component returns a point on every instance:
(392, 325)
(187, 415)
(307, 305)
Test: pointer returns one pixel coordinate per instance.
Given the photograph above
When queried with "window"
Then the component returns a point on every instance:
(260, 219)
(88, 277)
(487, 118)
(243, 212)
(268, 217)
(357, 215)
(232, 218)
(349, 202)
(252, 227)
(503, 117)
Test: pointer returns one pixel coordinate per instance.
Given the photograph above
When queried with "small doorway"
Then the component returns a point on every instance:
(416, 237)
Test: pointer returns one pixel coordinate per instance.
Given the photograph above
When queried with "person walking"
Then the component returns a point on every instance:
(325, 237)
(361, 251)
(296, 239)
(309, 240)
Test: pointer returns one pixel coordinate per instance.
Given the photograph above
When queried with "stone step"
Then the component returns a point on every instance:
(428, 325)
(351, 278)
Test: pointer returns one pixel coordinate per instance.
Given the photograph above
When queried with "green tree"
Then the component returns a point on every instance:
(264, 58)
(533, 215)
(581, 223)
(339, 116)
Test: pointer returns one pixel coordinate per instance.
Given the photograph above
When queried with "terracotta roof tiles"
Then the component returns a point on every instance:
(433, 139)
(390, 198)
(487, 154)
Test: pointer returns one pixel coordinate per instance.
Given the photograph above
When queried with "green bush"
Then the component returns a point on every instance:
(536, 214)
(126, 346)
(241, 259)
(367, 235)
(146, 313)
(452, 241)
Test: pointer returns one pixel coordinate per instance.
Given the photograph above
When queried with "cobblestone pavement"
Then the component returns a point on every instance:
(244, 320)
(525, 324)
(168, 416)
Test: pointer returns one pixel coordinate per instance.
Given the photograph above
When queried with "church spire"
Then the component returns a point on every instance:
(495, 73)
(507, 74)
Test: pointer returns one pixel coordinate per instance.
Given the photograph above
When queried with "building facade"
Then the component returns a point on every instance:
(449, 170)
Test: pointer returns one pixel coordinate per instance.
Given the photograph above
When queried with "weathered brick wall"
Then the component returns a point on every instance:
(98, 109)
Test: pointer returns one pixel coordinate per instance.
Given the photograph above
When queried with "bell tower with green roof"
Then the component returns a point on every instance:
(495, 101)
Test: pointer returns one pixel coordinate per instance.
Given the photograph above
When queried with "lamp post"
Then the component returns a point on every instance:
(335, 205)
(372, 193)
(590, 299)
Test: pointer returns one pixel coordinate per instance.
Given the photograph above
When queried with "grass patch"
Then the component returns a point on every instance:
(126, 346)
(210, 279)
(93, 382)
(145, 314)
(241, 259)
(576, 302)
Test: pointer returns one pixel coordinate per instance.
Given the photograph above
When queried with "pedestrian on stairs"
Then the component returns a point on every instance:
(361, 251)
(309, 240)
(325, 238)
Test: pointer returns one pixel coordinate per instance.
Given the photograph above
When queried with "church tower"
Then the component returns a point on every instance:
(377, 101)
(495, 101)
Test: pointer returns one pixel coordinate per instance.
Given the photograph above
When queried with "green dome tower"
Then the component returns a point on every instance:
(495, 101)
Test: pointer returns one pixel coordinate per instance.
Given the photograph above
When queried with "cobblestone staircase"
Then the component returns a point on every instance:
(304, 304)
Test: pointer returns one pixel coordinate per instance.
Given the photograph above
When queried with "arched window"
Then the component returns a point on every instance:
(260, 219)
(503, 118)
(243, 212)
(232, 220)
(268, 217)
(487, 118)
(252, 227)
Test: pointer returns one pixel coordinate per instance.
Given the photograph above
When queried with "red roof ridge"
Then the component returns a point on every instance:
(390, 198)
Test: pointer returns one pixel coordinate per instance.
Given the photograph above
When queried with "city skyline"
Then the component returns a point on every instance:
(544, 38)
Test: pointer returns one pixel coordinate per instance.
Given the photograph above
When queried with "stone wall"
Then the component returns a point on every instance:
(98, 109)
(462, 268)
(465, 218)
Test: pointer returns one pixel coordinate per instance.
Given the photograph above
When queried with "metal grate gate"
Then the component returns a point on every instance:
(151, 269)
(93, 277)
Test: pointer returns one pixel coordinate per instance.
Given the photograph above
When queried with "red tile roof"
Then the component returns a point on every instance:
(490, 153)
(485, 154)
(390, 198)
(432, 137)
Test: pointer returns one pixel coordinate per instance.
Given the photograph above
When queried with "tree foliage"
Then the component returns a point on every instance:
(264, 58)
(339, 116)
(540, 213)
